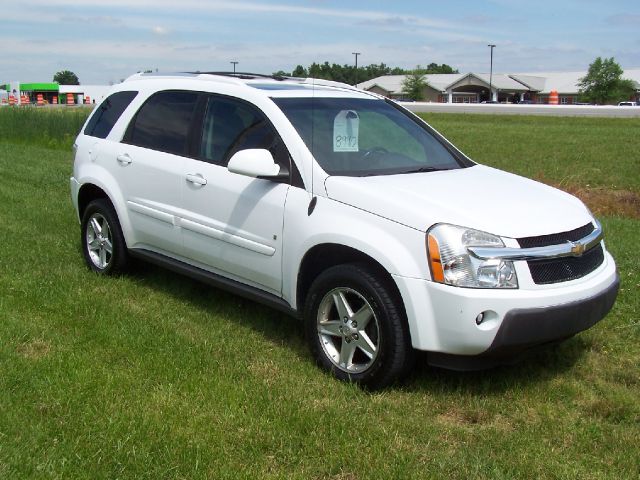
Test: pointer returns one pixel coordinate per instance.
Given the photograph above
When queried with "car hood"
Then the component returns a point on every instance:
(477, 197)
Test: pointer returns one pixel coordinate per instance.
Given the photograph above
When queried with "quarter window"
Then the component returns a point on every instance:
(108, 113)
(163, 122)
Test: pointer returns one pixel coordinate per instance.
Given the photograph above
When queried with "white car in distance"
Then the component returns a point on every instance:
(342, 208)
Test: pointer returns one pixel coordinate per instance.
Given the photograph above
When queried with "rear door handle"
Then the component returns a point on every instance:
(124, 159)
(196, 179)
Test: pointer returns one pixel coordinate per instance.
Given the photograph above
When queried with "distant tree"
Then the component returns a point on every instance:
(300, 71)
(66, 77)
(444, 68)
(414, 84)
(604, 84)
(372, 71)
(281, 73)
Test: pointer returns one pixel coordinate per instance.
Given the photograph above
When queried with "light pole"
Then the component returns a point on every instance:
(234, 66)
(356, 76)
(491, 46)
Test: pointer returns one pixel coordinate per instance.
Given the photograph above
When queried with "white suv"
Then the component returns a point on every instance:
(343, 208)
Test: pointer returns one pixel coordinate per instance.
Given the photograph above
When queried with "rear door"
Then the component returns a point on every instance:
(149, 164)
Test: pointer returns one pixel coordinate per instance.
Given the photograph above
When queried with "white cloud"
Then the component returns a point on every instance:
(207, 34)
(158, 30)
(149, 6)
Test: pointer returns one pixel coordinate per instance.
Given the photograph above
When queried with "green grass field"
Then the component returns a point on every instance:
(152, 375)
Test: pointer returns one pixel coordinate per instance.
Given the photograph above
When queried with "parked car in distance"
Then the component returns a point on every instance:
(627, 104)
(342, 208)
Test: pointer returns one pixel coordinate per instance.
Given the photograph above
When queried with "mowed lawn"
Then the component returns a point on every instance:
(152, 375)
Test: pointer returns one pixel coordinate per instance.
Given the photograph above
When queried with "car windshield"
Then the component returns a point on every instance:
(363, 137)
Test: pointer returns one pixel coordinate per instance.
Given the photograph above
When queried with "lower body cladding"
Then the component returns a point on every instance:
(471, 329)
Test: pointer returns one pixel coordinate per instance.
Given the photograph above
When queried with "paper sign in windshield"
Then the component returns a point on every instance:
(345, 131)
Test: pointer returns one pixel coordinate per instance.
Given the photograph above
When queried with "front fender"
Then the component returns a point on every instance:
(399, 249)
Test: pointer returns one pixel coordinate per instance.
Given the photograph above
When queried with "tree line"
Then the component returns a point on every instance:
(602, 84)
(349, 74)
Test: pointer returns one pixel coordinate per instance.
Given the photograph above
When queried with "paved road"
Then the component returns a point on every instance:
(511, 109)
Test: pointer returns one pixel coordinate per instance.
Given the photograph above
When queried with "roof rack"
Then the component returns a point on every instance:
(243, 75)
(238, 76)
(280, 78)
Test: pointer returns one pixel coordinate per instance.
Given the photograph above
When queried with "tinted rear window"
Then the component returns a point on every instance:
(108, 113)
(163, 122)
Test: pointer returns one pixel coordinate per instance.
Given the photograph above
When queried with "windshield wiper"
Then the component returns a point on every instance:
(421, 170)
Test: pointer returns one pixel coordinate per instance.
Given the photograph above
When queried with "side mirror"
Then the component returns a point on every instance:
(257, 163)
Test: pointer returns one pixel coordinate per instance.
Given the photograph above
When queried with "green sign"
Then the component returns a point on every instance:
(39, 87)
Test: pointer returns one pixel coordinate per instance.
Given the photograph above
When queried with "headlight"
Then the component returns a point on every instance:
(452, 264)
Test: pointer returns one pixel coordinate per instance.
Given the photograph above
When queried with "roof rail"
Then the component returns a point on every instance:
(237, 77)
(243, 75)
(140, 75)
(327, 83)
(307, 81)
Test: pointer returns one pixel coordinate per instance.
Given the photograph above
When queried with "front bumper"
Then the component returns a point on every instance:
(442, 318)
(524, 328)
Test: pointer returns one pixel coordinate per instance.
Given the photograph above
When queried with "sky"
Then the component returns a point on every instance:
(104, 41)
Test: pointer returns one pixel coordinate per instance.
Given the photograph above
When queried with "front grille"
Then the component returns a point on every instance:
(556, 238)
(566, 268)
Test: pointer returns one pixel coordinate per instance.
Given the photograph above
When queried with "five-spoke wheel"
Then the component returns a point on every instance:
(99, 241)
(348, 330)
(355, 328)
(103, 244)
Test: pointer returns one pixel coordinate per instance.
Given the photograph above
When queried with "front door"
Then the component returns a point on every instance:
(231, 223)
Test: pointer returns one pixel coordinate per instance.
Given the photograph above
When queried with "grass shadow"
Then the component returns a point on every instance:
(537, 366)
(276, 327)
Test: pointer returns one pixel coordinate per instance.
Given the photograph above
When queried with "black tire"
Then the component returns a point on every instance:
(96, 246)
(364, 289)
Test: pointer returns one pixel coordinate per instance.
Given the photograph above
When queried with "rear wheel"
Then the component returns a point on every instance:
(355, 328)
(103, 244)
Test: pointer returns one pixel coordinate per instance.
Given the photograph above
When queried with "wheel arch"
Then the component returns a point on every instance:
(91, 190)
(87, 193)
(323, 256)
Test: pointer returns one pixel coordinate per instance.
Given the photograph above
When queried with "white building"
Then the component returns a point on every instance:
(474, 87)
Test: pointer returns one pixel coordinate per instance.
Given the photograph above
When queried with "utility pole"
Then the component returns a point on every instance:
(356, 76)
(234, 66)
(491, 46)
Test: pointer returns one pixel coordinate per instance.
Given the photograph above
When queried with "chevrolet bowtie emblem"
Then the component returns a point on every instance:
(577, 249)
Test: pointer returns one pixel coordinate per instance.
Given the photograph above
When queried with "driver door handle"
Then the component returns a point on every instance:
(196, 179)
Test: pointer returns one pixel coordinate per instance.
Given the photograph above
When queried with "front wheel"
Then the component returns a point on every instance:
(355, 327)
(103, 244)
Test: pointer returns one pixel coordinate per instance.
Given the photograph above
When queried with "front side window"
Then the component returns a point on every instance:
(231, 125)
(108, 113)
(362, 137)
(163, 122)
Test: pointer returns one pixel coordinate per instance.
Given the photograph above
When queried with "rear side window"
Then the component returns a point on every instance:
(108, 113)
(163, 122)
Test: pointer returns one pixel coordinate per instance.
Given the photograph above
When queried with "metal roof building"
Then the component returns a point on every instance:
(474, 87)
